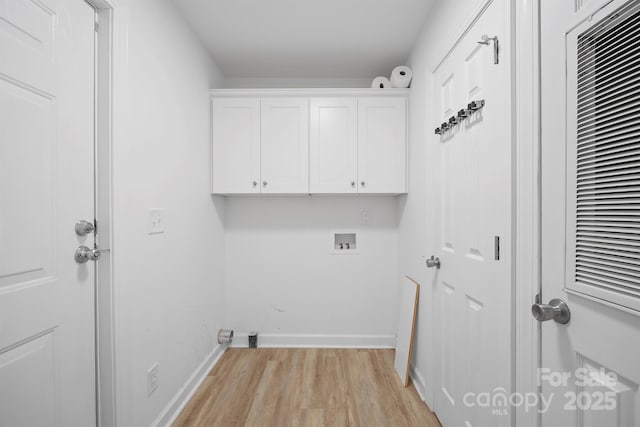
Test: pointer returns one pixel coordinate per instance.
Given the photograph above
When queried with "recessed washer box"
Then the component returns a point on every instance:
(345, 243)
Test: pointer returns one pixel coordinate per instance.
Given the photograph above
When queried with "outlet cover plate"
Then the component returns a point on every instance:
(153, 378)
(156, 220)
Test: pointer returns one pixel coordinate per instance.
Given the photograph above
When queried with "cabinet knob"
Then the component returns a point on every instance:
(362, 184)
(353, 184)
(255, 184)
(264, 183)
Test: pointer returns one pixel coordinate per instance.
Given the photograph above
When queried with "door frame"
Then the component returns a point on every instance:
(527, 134)
(107, 48)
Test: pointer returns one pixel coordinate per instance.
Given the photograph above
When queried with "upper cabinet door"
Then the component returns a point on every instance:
(285, 145)
(236, 145)
(334, 145)
(382, 145)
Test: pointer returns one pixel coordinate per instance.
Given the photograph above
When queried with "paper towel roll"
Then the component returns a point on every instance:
(380, 83)
(401, 77)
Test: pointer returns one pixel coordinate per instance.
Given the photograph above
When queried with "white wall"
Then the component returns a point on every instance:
(282, 278)
(267, 82)
(169, 292)
(416, 213)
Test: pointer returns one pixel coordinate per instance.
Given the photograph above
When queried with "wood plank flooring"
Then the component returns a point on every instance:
(305, 387)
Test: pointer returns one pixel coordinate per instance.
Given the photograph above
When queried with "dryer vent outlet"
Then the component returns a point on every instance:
(225, 336)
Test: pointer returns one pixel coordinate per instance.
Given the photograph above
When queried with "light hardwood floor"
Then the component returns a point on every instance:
(305, 387)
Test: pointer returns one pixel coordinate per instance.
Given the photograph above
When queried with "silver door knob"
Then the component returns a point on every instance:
(433, 262)
(255, 184)
(362, 184)
(84, 254)
(264, 183)
(353, 184)
(84, 227)
(557, 310)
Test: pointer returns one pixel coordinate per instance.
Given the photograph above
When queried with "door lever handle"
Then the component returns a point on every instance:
(433, 262)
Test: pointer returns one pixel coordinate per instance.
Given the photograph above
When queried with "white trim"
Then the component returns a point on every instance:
(105, 339)
(263, 93)
(186, 392)
(240, 340)
(527, 227)
(417, 379)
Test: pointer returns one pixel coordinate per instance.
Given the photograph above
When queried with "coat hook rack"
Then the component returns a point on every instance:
(462, 115)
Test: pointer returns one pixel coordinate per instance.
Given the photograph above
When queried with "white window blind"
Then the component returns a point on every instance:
(606, 260)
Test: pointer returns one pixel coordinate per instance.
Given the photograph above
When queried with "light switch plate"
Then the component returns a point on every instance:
(156, 221)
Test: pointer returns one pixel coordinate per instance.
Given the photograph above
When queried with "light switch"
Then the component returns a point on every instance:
(156, 221)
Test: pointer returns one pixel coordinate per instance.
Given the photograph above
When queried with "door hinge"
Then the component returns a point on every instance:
(496, 248)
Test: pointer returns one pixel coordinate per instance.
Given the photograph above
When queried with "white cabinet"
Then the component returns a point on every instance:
(358, 145)
(310, 141)
(285, 145)
(382, 146)
(236, 145)
(260, 146)
(334, 145)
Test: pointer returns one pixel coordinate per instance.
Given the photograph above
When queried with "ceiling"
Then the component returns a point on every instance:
(307, 38)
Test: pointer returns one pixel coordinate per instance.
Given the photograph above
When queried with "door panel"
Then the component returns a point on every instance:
(29, 32)
(285, 145)
(473, 318)
(31, 369)
(26, 156)
(236, 145)
(333, 145)
(589, 366)
(47, 328)
(382, 145)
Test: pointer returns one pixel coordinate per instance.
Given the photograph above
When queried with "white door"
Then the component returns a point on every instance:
(285, 145)
(591, 212)
(47, 329)
(236, 145)
(333, 145)
(382, 145)
(473, 292)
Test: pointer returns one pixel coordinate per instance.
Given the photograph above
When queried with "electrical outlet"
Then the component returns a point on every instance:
(365, 217)
(153, 379)
(156, 221)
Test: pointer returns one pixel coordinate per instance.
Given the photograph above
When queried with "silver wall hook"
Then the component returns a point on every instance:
(485, 39)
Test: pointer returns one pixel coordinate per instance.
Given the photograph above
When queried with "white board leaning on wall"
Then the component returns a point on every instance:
(409, 293)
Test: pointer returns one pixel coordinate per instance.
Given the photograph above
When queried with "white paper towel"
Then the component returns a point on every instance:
(401, 77)
(380, 83)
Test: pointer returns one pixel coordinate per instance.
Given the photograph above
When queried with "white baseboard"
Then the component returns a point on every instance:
(240, 340)
(182, 397)
(420, 385)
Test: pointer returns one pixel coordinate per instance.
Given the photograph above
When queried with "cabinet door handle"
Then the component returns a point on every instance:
(255, 184)
(362, 184)
(264, 183)
(353, 184)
